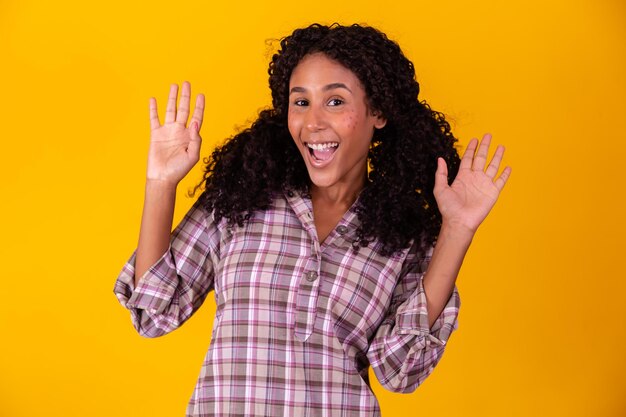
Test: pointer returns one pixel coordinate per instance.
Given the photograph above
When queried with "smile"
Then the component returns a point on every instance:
(321, 153)
(322, 146)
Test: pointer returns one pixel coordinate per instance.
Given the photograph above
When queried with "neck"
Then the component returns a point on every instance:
(340, 195)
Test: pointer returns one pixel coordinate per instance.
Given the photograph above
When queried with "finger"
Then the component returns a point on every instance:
(468, 155)
(154, 115)
(198, 112)
(481, 155)
(502, 179)
(170, 112)
(441, 175)
(183, 106)
(494, 165)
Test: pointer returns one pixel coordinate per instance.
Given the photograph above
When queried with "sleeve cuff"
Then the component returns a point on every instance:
(412, 317)
(156, 287)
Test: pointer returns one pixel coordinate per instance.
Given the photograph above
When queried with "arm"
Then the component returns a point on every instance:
(410, 341)
(167, 277)
(177, 283)
(174, 150)
(408, 345)
(463, 205)
(440, 278)
(156, 224)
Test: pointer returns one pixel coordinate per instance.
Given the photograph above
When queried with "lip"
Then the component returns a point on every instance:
(315, 163)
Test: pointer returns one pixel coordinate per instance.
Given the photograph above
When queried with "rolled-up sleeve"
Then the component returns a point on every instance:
(404, 350)
(176, 285)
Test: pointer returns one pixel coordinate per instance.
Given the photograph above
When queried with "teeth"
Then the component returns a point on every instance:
(322, 146)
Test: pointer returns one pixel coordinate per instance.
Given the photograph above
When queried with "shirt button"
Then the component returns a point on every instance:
(311, 276)
(342, 230)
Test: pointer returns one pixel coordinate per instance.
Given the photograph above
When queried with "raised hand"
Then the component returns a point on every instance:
(472, 194)
(174, 147)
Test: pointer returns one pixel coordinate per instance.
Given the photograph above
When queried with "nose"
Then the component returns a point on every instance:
(315, 119)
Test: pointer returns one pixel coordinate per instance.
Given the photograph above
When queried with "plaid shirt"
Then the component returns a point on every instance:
(298, 322)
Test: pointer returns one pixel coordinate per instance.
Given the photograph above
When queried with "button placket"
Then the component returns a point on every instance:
(306, 302)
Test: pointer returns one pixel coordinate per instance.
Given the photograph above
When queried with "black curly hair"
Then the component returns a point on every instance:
(397, 203)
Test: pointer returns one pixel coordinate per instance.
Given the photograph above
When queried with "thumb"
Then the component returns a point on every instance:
(441, 175)
(194, 146)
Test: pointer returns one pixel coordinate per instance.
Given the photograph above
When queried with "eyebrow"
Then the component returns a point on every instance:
(328, 87)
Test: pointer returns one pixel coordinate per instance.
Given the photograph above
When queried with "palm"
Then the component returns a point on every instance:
(174, 148)
(468, 200)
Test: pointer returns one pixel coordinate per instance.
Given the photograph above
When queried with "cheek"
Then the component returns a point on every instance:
(356, 124)
(293, 124)
(351, 121)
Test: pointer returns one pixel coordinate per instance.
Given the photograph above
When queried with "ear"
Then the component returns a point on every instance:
(380, 121)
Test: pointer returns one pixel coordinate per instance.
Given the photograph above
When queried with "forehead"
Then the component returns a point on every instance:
(318, 69)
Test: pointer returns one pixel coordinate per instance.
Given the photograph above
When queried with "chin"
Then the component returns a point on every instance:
(321, 181)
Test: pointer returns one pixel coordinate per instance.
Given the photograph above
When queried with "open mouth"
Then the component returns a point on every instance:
(322, 152)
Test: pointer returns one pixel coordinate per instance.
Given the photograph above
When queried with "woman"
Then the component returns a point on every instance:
(328, 231)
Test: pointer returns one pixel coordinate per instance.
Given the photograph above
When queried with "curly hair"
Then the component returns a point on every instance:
(397, 204)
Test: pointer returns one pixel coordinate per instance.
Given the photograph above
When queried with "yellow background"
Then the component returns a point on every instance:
(542, 323)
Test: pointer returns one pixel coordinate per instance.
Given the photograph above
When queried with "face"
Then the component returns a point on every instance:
(330, 122)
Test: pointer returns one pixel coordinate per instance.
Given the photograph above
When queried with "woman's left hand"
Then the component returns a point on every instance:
(474, 191)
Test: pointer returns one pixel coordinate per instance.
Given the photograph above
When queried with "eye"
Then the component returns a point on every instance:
(300, 102)
(335, 102)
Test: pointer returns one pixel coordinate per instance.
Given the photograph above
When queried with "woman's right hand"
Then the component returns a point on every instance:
(174, 148)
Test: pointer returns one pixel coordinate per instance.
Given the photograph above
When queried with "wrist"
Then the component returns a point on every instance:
(456, 231)
(155, 185)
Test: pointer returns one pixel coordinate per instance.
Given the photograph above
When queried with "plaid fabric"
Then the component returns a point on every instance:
(298, 323)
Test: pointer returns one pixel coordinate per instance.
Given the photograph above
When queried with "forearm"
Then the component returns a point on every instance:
(156, 225)
(443, 269)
